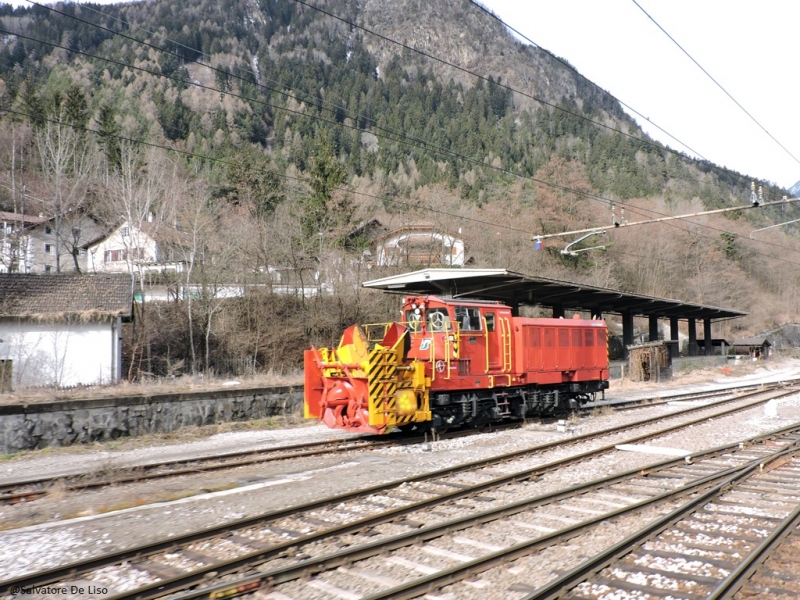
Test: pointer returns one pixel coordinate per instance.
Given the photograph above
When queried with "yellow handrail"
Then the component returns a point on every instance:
(486, 332)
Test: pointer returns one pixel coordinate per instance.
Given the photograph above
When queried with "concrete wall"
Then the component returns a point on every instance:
(62, 354)
(619, 369)
(33, 426)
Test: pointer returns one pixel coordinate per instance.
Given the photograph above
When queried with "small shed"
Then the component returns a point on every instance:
(756, 347)
(651, 361)
(62, 329)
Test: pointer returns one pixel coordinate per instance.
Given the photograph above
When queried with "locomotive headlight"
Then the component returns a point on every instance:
(406, 402)
(417, 311)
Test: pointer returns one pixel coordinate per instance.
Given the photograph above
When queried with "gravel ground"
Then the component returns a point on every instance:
(125, 519)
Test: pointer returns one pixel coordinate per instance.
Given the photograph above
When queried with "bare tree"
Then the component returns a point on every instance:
(138, 187)
(15, 238)
(197, 218)
(66, 160)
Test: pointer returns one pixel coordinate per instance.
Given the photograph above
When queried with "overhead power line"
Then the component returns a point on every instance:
(717, 83)
(670, 218)
(592, 83)
(400, 136)
(478, 162)
(556, 186)
(231, 163)
(321, 103)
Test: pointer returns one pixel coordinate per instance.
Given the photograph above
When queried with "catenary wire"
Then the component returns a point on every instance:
(595, 197)
(422, 143)
(361, 117)
(408, 205)
(605, 201)
(635, 210)
(719, 85)
(340, 188)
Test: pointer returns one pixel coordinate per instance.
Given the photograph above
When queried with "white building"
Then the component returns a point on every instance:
(37, 244)
(145, 249)
(16, 243)
(62, 330)
(419, 245)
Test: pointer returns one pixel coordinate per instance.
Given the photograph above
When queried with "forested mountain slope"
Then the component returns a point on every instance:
(268, 129)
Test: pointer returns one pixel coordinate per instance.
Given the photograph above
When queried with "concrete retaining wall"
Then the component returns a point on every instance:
(33, 426)
(619, 369)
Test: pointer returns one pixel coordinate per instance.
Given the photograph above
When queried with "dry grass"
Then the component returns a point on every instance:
(185, 384)
(603, 411)
(58, 490)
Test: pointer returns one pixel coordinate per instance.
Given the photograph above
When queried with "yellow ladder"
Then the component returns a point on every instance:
(505, 334)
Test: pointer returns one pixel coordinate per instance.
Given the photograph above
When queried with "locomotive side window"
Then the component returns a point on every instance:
(468, 319)
(489, 321)
(413, 321)
(563, 338)
(438, 320)
(589, 337)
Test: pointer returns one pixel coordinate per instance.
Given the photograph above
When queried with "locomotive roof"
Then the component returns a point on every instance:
(459, 300)
(517, 288)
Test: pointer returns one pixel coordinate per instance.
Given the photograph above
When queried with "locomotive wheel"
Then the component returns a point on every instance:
(482, 422)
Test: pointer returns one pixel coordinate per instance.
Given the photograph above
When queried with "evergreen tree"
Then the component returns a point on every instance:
(109, 129)
(322, 211)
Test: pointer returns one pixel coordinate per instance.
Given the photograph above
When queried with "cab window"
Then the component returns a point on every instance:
(468, 319)
(489, 321)
(438, 320)
(413, 321)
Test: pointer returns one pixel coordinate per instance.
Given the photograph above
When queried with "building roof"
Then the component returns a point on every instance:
(64, 296)
(417, 228)
(516, 288)
(21, 218)
(751, 341)
(161, 233)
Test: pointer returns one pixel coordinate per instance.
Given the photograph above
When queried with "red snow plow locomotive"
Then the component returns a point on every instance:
(452, 362)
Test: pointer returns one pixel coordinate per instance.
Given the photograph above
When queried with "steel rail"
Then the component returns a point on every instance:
(148, 471)
(145, 471)
(557, 587)
(423, 585)
(181, 582)
(138, 552)
(739, 576)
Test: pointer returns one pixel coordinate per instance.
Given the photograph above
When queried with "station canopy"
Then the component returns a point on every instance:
(516, 289)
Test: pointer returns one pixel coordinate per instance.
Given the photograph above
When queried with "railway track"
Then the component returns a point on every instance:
(30, 489)
(281, 538)
(33, 488)
(770, 570)
(706, 547)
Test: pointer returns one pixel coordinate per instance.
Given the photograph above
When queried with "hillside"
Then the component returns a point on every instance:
(267, 130)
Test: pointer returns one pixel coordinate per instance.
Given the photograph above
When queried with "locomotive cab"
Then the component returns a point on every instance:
(463, 343)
